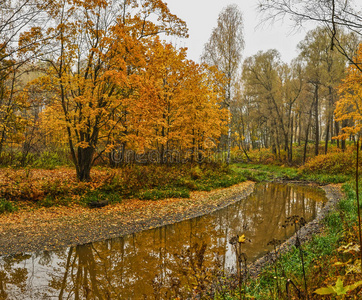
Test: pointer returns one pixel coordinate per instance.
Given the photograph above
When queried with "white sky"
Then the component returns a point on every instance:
(201, 17)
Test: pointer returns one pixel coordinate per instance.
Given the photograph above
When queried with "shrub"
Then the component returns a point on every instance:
(100, 196)
(263, 155)
(48, 201)
(48, 160)
(56, 187)
(332, 164)
(196, 173)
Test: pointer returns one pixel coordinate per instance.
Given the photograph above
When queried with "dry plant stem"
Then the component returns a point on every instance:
(302, 260)
(358, 208)
(238, 253)
(276, 269)
(289, 281)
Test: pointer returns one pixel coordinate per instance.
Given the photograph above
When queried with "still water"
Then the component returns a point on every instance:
(133, 266)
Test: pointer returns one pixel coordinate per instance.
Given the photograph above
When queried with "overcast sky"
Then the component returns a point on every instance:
(201, 18)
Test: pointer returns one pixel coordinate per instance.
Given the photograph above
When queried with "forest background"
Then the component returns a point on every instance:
(92, 84)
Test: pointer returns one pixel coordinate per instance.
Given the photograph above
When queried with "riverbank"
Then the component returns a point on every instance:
(321, 264)
(56, 227)
(334, 195)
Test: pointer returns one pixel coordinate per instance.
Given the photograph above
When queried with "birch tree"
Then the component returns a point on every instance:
(224, 50)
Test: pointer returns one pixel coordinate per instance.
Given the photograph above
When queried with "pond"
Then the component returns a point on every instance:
(161, 260)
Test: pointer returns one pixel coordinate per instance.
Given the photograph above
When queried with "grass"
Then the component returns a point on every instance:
(267, 157)
(260, 173)
(161, 194)
(36, 183)
(48, 159)
(7, 206)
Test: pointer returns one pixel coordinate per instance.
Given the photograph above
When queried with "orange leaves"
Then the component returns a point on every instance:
(30, 41)
(349, 106)
(111, 83)
(177, 104)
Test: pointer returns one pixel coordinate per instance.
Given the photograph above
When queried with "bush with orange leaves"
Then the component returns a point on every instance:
(332, 163)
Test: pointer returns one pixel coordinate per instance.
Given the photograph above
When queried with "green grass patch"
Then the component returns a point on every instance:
(215, 182)
(100, 196)
(52, 200)
(325, 178)
(162, 194)
(7, 206)
(260, 173)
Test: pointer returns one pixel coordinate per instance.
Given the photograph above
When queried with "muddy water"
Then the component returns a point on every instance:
(162, 260)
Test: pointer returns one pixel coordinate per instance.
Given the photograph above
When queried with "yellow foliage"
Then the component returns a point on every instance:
(349, 105)
(242, 239)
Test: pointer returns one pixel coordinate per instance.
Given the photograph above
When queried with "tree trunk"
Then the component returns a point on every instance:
(343, 141)
(111, 160)
(316, 113)
(229, 138)
(327, 138)
(278, 146)
(336, 125)
(331, 128)
(306, 144)
(295, 128)
(85, 159)
(290, 152)
(2, 139)
(307, 133)
(300, 129)
(286, 144)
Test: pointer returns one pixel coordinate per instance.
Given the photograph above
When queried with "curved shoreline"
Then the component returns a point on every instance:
(59, 227)
(65, 228)
(334, 195)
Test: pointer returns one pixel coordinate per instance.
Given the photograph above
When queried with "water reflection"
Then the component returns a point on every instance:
(138, 266)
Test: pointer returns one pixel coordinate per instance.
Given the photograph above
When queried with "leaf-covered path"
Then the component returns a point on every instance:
(56, 227)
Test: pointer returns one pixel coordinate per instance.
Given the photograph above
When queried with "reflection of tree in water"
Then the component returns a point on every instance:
(155, 262)
(10, 275)
(24, 276)
(125, 267)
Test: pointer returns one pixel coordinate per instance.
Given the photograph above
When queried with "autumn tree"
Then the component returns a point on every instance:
(93, 67)
(178, 105)
(348, 107)
(223, 50)
(160, 111)
(311, 52)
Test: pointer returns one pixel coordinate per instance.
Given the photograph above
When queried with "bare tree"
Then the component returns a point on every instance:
(224, 50)
(335, 15)
(20, 24)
